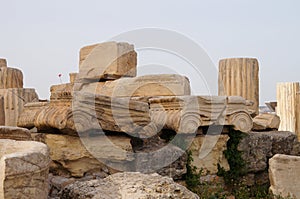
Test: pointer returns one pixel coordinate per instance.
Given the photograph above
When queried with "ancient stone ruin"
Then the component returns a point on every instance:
(24, 169)
(282, 171)
(108, 131)
(13, 96)
(288, 104)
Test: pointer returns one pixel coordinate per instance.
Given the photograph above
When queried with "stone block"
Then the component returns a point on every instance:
(75, 156)
(258, 147)
(10, 78)
(266, 121)
(62, 93)
(284, 174)
(208, 152)
(24, 167)
(30, 113)
(128, 185)
(3, 62)
(109, 60)
(14, 133)
(143, 86)
(14, 101)
(73, 77)
(2, 112)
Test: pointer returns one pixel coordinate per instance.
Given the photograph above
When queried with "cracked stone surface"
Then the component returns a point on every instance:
(24, 168)
(128, 185)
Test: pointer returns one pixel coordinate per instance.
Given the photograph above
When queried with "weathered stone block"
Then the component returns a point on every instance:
(266, 121)
(157, 157)
(127, 186)
(76, 156)
(24, 167)
(184, 114)
(30, 113)
(14, 133)
(2, 112)
(109, 60)
(10, 78)
(258, 147)
(14, 101)
(92, 112)
(73, 77)
(284, 174)
(144, 86)
(62, 93)
(208, 152)
(3, 62)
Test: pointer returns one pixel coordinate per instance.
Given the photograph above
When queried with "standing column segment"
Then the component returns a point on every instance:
(287, 106)
(239, 77)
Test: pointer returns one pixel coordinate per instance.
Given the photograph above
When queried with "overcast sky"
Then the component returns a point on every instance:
(43, 38)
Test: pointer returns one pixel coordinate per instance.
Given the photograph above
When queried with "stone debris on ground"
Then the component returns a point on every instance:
(128, 185)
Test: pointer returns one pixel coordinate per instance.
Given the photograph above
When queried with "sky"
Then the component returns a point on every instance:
(43, 38)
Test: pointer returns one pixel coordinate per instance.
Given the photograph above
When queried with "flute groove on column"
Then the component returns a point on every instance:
(239, 77)
(288, 104)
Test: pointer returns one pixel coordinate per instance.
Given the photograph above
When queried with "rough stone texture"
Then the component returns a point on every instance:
(155, 155)
(58, 183)
(143, 86)
(3, 63)
(128, 186)
(184, 114)
(75, 157)
(73, 77)
(91, 112)
(258, 147)
(175, 170)
(2, 111)
(62, 93)
(284, 174)
(14, 101)
(56, 118)
(266, 121)
(29, 114)
(10, 78)
(296, 149)
(239, 77)
(109, 60)
(14, 133)
(207, 153)
(13, 96)
(24, 169)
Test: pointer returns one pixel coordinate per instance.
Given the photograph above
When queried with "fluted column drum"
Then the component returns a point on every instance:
(239, 77)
